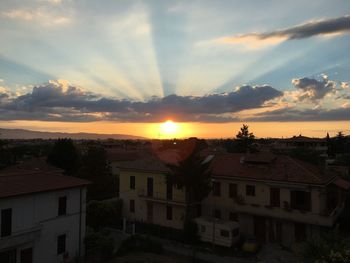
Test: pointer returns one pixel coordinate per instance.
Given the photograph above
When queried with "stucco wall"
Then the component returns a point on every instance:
(35, 223)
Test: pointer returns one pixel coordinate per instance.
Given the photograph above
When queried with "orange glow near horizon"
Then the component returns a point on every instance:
(188, 129)
(168, 129)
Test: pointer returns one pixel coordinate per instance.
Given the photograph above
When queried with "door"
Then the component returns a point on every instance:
(275, 197)
(150, 186)
(278, 232)
(150, 212)
(260, 228)
(27, 255)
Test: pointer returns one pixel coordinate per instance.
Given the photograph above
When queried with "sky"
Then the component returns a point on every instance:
(283, 67)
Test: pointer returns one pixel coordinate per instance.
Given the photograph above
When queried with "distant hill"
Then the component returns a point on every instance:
(28, 134)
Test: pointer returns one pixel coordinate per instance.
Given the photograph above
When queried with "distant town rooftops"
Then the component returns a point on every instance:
(302, 138)
(29, 178)
(279, 168)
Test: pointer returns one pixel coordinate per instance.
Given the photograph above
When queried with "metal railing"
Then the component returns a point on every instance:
(161, 196)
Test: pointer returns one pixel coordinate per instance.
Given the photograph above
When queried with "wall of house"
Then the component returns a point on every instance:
(36, 224)
(261, 201)
(159, 201)
(259, 205)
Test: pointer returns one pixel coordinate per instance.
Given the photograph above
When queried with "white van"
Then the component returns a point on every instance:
(226, 232)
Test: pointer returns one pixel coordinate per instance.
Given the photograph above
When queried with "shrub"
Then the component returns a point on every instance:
(140, 243)
(99, 245)
(107, 213)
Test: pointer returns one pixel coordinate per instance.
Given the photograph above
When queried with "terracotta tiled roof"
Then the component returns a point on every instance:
(150, 164)
(282, 168)
(114, 155)
(19, 180)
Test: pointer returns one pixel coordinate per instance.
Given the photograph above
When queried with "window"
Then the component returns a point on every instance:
(233, 217)
(300, 200)
(169, 191)
(217, 213)
(150, 186)
(235, 232)
(232, 190)
(169, 212)
(6, 222)
(224, 233)
(203, 229)
(26, 255)
(199, 210)
(62, 205)
(8, 256)
(132, 206)
(299, 232)
(61, 244)
(132, 182)
(250, 190)
(216, 188)
(275, 197)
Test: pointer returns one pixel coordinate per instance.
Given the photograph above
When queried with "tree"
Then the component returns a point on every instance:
(340, 143)
(64, 155)
(193, 173)
(95, 168)
(107, 213)
(330, 247)
(245, 139)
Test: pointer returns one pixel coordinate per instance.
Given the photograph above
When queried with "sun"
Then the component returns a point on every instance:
(169, 128)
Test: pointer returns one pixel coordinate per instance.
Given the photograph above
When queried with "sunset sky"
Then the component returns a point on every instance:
(283, 67)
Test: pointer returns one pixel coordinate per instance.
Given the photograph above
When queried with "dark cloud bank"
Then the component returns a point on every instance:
(53, 102)
(309, 29)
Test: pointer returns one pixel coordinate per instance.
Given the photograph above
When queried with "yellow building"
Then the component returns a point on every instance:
(146, 194)
(274, 198)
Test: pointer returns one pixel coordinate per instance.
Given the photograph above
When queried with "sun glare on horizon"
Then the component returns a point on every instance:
(169, 129)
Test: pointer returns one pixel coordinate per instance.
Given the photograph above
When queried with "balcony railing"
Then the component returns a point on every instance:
(161, 197)
(288, 213)
(20, 237)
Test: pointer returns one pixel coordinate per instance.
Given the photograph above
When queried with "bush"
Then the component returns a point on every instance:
(140, 243)
(106, 213)
(331, 247)
(99, 245)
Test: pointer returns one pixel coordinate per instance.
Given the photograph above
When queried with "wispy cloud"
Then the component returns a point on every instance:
(44, 17)
(323, 27)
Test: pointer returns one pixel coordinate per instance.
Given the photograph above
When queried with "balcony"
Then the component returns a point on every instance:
(160, 197)
(20, 237)
(287, 213)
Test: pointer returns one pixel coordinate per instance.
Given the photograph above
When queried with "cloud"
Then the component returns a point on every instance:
(58, 100)
(293, 114)
(40, 15)
(311, 100)
(313, 89)
(324, 27)
(344, 85)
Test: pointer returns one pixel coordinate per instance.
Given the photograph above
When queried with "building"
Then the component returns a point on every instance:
(301, 142)
(42, 216)
(146, 194)
(274, 197)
